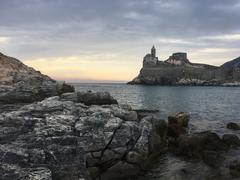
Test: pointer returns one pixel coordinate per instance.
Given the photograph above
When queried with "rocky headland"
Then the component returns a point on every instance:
(178, 70)
(22, 84)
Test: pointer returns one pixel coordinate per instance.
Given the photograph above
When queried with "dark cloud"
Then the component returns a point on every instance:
(58, 27)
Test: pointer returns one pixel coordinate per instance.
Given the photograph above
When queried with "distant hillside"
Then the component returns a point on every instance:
(230, 65)
(13, 71)
(20, 83)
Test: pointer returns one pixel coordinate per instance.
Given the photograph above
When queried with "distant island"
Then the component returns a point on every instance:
(178, 70)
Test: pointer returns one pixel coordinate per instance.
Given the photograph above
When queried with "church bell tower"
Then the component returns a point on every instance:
(153, 51)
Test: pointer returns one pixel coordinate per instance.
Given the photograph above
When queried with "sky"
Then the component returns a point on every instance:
(105, 40)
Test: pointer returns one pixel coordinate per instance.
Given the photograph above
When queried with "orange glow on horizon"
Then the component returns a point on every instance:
(77, 68)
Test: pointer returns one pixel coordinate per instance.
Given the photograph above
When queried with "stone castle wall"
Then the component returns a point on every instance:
(165, 75)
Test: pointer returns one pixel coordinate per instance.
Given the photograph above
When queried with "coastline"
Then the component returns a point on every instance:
(132, 139)
(62, 132)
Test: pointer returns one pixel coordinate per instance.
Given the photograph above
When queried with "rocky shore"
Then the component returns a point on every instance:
(90, 136)
(63, 138)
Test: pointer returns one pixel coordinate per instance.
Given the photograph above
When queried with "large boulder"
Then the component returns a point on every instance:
(22, 84)
(66, 139)
(198, 145)
(98, 98)
(231, 140)
(41, 135)
(177, 124)
(118, 140)
(181, 119)
(233, 126)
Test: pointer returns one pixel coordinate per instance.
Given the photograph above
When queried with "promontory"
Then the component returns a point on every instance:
(179, 70)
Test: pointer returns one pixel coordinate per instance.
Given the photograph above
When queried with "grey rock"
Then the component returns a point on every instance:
(22, 84)
(231, 140)
(175, 130)
(98, 98)
(42, 135)
(181, 119)
(9, 172)
(195, 145)
(126, 114)
(233, 126)
(146, 112)
(211, 157)
(121, 170)
(177, 124)
(70, 97)
(234, 169)
(150, 142)
(60, 138)
(134, 157)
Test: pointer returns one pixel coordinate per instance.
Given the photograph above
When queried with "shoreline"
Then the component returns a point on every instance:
(57, 114)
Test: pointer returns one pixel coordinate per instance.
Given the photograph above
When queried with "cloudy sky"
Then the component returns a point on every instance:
(105, 40)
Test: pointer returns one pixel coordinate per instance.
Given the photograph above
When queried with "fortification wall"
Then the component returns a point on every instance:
(173, 74)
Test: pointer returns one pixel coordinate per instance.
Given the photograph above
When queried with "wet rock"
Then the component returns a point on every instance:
(94, 172)
(195, 145)
(175, 130)
(146, 112)
(158, 136)
(98, 98)
(181, 119)
(231, 140)
(212, 158)
(233, 126)
(234, 169)
(120, 170)
(177, 124)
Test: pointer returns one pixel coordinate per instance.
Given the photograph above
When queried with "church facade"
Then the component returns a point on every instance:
(150, 59)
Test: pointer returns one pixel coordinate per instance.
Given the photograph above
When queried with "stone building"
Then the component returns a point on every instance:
(179, 58)
(150, 59)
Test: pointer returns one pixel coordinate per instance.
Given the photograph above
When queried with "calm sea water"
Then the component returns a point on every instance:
(211, 108)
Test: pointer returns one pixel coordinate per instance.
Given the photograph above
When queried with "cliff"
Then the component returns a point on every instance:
(232, 69)
(178, 70)
(20, 83)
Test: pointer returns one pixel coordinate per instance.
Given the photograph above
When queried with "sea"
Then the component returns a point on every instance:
(210, 108)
